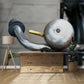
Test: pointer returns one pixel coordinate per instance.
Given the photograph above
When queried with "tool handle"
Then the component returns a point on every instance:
(36, 33)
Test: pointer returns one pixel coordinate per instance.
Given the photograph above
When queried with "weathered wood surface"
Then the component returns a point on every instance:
(15, 77)
(42, 62)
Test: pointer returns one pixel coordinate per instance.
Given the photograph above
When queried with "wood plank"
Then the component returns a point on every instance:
(41, 69)
(15, 77)
(42, 62)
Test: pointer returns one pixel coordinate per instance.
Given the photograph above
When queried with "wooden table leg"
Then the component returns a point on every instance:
(7, 62)
(4, 62)
(12, 58)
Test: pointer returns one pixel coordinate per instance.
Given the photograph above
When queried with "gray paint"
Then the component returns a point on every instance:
(35, 14)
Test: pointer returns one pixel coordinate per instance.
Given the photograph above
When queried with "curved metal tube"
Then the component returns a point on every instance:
(79, 47)
(22, 39)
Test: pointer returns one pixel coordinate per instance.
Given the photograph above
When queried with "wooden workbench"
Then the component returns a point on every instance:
(41, 62)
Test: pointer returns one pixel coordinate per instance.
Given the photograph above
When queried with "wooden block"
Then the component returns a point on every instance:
(42, 62)
(72, 66)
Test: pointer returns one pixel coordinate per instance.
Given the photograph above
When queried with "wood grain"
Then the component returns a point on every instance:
(15, 77)
(42, 62)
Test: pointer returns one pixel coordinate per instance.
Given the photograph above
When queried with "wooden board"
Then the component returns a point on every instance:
(15, 77)
(42, 62)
